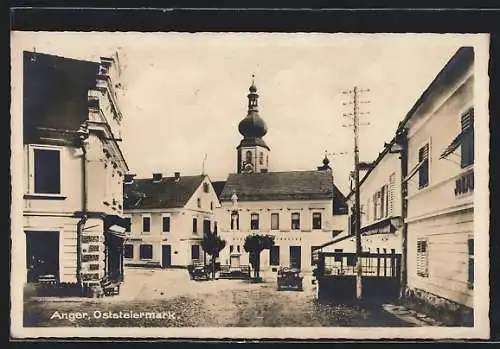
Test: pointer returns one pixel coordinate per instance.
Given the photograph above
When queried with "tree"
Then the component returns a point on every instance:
(212, 244)
(254, 245)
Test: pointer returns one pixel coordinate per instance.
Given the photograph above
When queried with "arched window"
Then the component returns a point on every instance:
(261, 158)
(249, 157)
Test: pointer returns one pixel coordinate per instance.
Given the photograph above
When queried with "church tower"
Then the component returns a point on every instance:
(253, 152)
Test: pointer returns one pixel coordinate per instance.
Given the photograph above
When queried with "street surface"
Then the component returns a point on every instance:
(168, 298)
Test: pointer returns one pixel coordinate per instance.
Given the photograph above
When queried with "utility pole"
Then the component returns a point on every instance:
(357, 207)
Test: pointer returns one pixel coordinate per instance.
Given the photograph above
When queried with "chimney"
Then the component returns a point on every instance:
(157, 177)
(177, 176)
(128, 178)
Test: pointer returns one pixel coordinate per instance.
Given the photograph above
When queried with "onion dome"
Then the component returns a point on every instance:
(252, 126)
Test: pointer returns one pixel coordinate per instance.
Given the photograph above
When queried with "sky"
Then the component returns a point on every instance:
(184, 94)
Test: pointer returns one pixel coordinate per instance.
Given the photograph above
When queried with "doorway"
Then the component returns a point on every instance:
(166, 256)
(42, 254)
(295, 256)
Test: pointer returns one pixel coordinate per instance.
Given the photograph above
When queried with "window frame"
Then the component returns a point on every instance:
(463, 162)
(252, 221)
(195, 225)
(149, 225)
(425, 165)
(163, 217)
(320, 221)
(422, 270)
(31, 169)
(125, 251)
(470, 263)
(140, 252)
(277, 225)
(292, 221)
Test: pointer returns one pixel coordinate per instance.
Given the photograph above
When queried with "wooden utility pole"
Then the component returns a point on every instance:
(357, 207)
(357, 211)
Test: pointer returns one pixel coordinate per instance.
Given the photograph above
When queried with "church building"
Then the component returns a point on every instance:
(301, 209)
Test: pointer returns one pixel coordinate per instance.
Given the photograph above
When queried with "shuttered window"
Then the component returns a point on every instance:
(422, 258)
(423, 171)
(470, 254)
(391, 196)
(467, 155)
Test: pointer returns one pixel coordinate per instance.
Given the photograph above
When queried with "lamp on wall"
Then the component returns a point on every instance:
(397, 222)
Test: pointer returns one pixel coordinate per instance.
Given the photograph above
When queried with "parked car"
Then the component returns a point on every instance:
(290, 278)
(198, 272)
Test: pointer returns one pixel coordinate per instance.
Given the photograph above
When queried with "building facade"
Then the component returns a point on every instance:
(301, 209)
(381, 208)
(440, 187)
(169, 217)
(73, 168)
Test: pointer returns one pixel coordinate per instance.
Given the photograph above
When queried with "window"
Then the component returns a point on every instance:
(47, 171)
(146, 224)
(205, 187)
(422, 258)
(254, 221)
(235, 221)
(238, 248)
(198, 202)
(129, 251)
(195, 225)
(206, 227)
(215, 228)
(423, 171)
(274, 255)
(129, 224)
(314, 254)
(470, 263)
(261, 158)
(316, 220)
(275, 221)
(231, 249)
(166, 224)
(195, 252)
(211, 205)
(382, 202)
(248, 157)
(392, 194)
(146, 252)
(467, 153)
(295, 221)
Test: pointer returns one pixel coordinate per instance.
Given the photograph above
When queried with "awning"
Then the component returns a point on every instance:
(455, 143)
(386, 226)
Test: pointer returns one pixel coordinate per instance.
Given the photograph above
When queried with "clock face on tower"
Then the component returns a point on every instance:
(247, 168)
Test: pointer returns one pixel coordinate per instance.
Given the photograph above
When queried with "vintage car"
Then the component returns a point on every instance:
(289, 278)
(198, 272)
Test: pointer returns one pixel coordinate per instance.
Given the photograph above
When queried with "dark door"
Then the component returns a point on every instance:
(295, 256)
(166, 257)
(274, 255)
(42, 254)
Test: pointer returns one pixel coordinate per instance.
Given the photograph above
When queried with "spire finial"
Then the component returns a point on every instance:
(253, 88)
